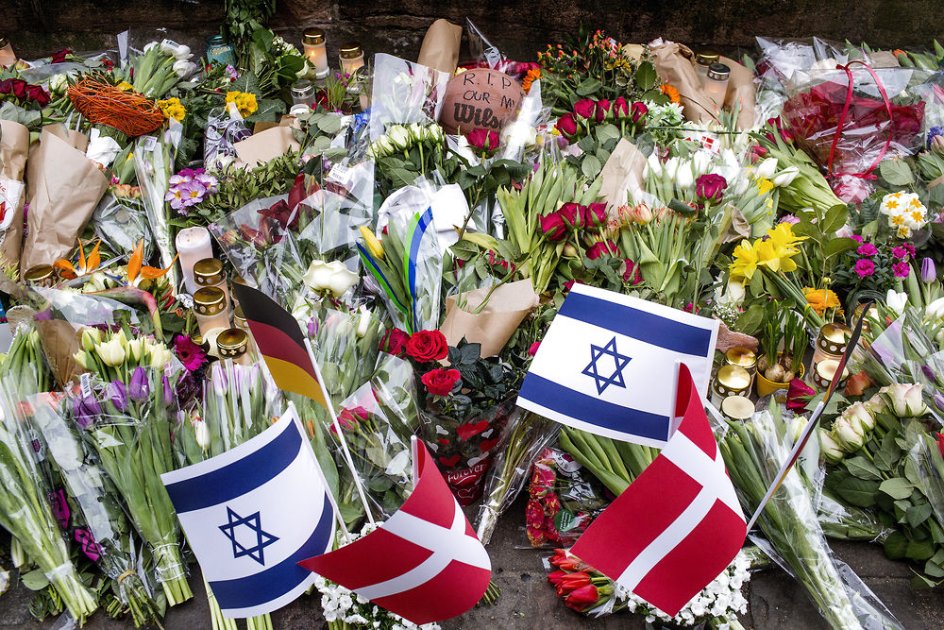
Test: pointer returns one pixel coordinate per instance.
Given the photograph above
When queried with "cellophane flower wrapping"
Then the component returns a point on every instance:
(153, 164)
(121, 223)
(753, 452)
(128, 423)
(103, 531)
(404, 92)
(850, 132)
(225, 127)
(25, 510)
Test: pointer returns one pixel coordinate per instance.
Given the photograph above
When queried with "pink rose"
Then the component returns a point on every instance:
(710, 187)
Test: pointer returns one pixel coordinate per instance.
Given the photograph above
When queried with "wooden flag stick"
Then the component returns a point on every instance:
(337, 427)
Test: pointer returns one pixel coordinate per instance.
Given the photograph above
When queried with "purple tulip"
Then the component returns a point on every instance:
(168, 391)
(86, 410)
(928, 271)
(939, 401)
(118, 394)
(139, 389)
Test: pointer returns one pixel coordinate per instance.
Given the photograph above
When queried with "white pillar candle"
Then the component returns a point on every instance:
(193, 244)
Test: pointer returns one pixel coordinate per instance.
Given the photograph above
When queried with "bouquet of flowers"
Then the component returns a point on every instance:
(126, 412)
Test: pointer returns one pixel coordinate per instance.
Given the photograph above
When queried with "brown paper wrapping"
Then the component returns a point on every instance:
(266, 145)
(14, 148)
(440, 49)
(493, 327)
(64, 187)
(621, 173)
(673, 62)
(60, 342)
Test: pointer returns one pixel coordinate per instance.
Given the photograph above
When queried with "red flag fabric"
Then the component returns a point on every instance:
(424, 563)
(679, 525)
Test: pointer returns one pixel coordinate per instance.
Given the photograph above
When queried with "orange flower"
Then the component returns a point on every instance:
(671, 92)
(533, 75)
(137, 271)
(85, 266)
(820, 300)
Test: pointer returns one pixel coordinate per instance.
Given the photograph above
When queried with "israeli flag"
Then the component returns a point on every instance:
(608, 365)
(252, 513)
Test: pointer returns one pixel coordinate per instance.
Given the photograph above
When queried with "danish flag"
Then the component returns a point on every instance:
(424, 563)
(679, 525)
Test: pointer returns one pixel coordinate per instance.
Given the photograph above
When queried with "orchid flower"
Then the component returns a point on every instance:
(86, 266)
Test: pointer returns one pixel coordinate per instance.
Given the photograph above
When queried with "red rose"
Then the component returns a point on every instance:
(483, 139)
(394, 341)
(427, 346)
(18, 88)
(439, 382)
(857, 384)
(639, 110)
(603, 248)
(594, 214)
(571, 213)
(567, 126)
(37, 94)
(940, 443)
(799, 395)
(585, 108)
(710, 187)
(553, 226)
(349, 419)
(603, 108)
(6, 86)
(620, 107)
(60, 56)
(631, 274)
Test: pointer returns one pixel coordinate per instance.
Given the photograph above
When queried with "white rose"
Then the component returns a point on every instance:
(399, 137)
(766, 169)
(858, 415)
(333, 277)
(829, 447)
(786, 176)
(847, 435)
(102, 149)
(58, 83)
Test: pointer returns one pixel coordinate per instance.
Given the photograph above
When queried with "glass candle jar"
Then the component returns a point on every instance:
(316, 51)
(303, 93)
(703, 61)
(7, 56)
(233, 343)
(742, 357)
(737, 408)
(40, 276)
(193, 245)
(209, 273)
(219, 51)
(210, 309)
(831, 342)
(351, 57)
(825, 371)
(716, 84)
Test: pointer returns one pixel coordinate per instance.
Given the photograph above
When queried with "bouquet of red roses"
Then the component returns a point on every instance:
(849, 123)
(464, 402)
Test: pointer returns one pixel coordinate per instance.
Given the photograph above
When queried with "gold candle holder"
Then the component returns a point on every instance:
(825, 370)
(40, 276)
(233, 343)
(742, 357)
(831, 342)
(731, 380)
(737, 408)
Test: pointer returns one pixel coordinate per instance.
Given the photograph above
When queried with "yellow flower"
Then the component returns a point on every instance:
(370, 241)
(820, 299)
(764, 185)
(245, 102)
(172, 108)
(124, 86)
(745, 260)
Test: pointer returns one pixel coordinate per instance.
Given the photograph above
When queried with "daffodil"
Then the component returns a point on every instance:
(745, 260)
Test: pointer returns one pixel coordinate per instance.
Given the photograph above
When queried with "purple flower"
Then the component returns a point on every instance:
(790, 218)
(928, 270)
(231, 71)
(139, 389)
(168, 391)
(933, 133)
(901, 269)
(866, 249)
(118, 394)
(857, 238)
(864, 267)
(86, 410)
(899, 252)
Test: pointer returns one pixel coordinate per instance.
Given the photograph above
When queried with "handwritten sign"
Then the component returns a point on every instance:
(480, 99)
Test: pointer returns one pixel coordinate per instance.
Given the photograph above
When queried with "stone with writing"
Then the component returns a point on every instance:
(480, 98)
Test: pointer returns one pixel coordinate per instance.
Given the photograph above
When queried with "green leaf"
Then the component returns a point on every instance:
(590, 166)
(919, 550)
(858, 492)
(897, 488)
(838, 246)
(646, 76)
(589, 87)
(835, 218)
(861, 468)
(887, 457)
(34, 580)
(896, 545)
(896, 172)
(917, 514)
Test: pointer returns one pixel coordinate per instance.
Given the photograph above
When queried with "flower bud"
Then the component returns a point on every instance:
(112, 353)
(935, 310)
(766, 168)
(201, 434)
(80, 358)
(860, 418)
(90, 337)
(797, 425)
(786, 176)
(363, 322)
(928, 270)
(846, 435)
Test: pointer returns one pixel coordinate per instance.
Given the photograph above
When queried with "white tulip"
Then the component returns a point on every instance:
(79, 357)
(896, 301)
(786, 176)
(363, 322)
(654, 165)
(136, 348)
(160, 356)
(766, 169)
(201, 434)
(671, 167)
(797, 425)
(112, 353)
(701, 160)
(935, 310)
(685, 178)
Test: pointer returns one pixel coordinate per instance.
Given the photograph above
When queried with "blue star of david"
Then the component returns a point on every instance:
(620, 361)
(263, 538)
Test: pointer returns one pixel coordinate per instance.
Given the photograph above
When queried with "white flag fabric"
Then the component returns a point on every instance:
(251, 514)
(608, 365)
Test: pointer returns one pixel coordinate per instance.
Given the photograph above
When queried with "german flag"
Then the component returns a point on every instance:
(281, 343)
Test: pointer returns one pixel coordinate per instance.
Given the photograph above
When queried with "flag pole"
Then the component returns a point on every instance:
(337, 427)
(324, 480)
(814, 419)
